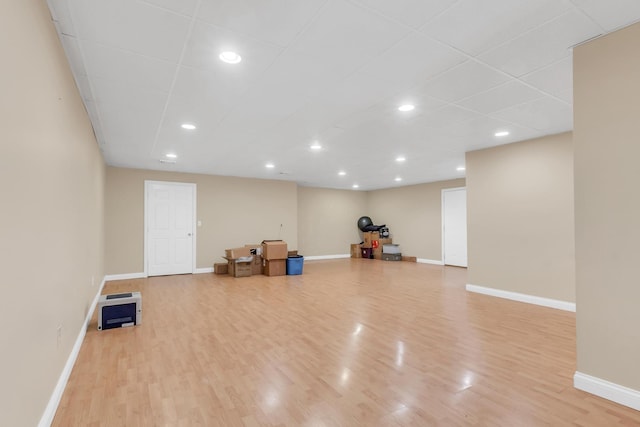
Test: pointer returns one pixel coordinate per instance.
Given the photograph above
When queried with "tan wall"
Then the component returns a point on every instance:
(233, 212)
(327, 220)
(413, 215)
(607, 125)
(52, 183)
(520, 226)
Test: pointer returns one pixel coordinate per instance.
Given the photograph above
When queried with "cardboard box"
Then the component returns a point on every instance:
(236, 253)
(275, 267)
(410, 258)
(256, 265)
(221, 268)
(254, 249)
(274, 249)
(369, 238)
(391, 257)
(239, 269)
(378, 245)
(356, 251)
(292, 253)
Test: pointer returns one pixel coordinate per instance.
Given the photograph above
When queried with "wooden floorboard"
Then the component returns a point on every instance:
(348, 343)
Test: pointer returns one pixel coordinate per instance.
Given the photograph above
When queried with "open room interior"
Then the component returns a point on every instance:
(91, 115)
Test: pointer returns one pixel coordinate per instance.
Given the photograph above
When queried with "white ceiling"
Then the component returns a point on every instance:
(332, 71)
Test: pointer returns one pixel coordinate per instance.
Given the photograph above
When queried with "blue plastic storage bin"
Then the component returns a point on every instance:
(294, 265)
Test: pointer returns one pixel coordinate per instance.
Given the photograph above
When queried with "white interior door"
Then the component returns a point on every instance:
(169, 220)
(454, 226)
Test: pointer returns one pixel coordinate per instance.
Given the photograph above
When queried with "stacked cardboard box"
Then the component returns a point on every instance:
(256, 264)
(373, 246)
(269, 258)
(238, 261)
(274, 254)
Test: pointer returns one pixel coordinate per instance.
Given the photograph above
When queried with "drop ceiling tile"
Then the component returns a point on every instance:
(542, 46)
(141, 28)
(566, 95)
(73, 51)
(184, 7)
(413, 60)
(476, 26)
(265, 107)
(410, 12)
(343, 37)
(501, 97)
(127, 67)
(201, 98)
(463, 81)
(128, 116)
(273, 21)
(545, 114)
(480, 132)
(61, 14)
(445, 116)
(555, 79)
(208, 41)
(611, 14)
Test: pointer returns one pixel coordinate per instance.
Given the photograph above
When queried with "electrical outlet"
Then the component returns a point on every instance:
(59, 334)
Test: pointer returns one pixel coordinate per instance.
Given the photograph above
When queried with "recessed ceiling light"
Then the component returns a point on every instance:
(270, 165)
(400, 159)
(342, 173)
(460, 168)
(316, 146)
(171, 156)
(355, 186)
(406, 107)
(230, 57)
(188, 126)
(502, 133)
(398, 179)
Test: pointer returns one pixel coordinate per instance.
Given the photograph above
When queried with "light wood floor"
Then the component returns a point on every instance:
(349, 343)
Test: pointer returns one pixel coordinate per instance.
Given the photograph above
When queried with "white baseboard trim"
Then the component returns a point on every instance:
(54, 401)
(530, 299)
(607, 390)
(317, 257)
(203, 270)
(429, 261)
(110, 277)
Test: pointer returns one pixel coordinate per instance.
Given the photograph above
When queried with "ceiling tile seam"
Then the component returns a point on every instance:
(56, 19)
(438, 15)
(283, 51)
(512, 77)
(97, 127)
(174, 79)
(568, 48)
(591, 18)
(481, 62)
(520, 35)
(380, 99)
(241, 34)
(456, 102)
(381, 14)
(414, 31)
(173, 12)
(121, 49)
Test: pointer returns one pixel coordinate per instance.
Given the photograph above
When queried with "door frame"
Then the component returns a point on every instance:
(194, 188)
(443, 191)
